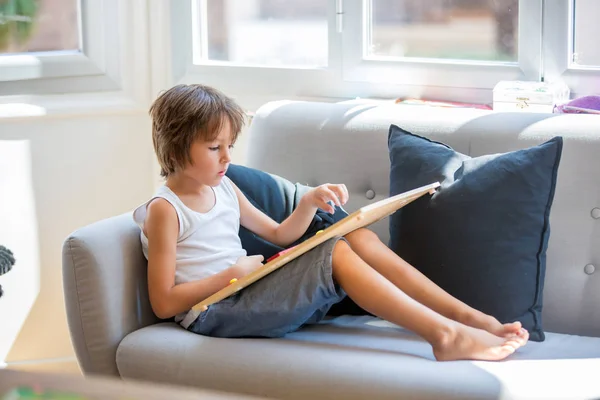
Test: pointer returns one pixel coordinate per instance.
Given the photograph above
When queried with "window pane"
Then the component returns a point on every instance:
(447, 29)
(587, 30)
(38, 25)
(267, 32)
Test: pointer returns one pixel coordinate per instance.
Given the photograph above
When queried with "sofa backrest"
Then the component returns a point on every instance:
(314, 143)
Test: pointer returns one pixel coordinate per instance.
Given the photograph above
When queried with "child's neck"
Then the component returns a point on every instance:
(185, 185)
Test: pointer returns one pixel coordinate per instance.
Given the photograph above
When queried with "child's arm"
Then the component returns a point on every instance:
(161, 227)
(296, 224)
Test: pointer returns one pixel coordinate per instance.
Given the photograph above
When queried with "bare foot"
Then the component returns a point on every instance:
(461, 342)
(492, 325)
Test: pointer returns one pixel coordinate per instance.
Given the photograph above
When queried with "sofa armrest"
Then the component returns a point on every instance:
(104, 283)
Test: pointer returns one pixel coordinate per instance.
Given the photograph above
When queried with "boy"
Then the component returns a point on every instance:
(190, 238)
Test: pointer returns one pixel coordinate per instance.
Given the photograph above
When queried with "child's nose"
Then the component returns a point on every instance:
(226, 155)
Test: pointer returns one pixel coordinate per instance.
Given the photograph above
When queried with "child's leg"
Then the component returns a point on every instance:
(367, 245)
(451, 340)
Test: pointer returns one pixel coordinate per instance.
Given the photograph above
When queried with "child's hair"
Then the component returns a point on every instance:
(186, 113)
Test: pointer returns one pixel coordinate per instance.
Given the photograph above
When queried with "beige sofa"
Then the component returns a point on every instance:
(115, 332)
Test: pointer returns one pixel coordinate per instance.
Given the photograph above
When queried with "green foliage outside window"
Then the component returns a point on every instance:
(17, 18)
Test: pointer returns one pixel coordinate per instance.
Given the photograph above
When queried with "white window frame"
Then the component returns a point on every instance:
(112, 72)
(44, 72)
(358, 66)
(231, 78)
(558, 50)
(545, 36)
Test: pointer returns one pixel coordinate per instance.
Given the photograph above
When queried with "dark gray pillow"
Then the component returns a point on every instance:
(483, 235)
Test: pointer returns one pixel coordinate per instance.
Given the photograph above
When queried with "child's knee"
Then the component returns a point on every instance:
(360, 235)
(341, 250)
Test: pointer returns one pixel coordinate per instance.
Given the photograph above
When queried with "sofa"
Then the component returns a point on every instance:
(357, 356)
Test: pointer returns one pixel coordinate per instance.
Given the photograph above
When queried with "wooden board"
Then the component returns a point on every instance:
(360, 218)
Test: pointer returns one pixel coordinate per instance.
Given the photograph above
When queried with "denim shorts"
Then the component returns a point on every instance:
(301, 292)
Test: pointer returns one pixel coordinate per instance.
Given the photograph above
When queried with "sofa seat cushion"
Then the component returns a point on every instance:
(355, 358)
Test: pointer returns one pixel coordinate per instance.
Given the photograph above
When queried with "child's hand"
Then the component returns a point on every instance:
(321, 196)
(247, 264)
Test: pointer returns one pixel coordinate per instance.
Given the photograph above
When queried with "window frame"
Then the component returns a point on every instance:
(347, 75)
(94, 68)
(545, 33)
(441, 72)
(558, 47)
(121, 52)
(261, 80)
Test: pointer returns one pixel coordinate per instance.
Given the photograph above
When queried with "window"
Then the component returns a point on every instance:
(586, 51)
(261, 47)
(58, 46)
(39, 26)
(265, 32)
(442, 49)
(454, 30)
(451, 44)
(570, 50)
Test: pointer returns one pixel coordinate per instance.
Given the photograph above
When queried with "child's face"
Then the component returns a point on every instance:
(210, 160)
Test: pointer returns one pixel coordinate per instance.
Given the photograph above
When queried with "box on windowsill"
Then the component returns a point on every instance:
(529, 96)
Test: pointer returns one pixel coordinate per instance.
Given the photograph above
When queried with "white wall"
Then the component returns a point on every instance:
(84, 168)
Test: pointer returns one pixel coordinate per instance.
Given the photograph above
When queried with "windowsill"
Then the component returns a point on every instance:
(36, 106)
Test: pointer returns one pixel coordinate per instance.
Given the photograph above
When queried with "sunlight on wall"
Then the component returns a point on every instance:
(21, 110)
(19, 233)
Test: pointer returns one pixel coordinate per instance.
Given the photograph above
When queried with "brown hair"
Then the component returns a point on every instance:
(186, 113)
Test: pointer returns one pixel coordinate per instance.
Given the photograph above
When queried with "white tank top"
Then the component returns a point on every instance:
(207, 243)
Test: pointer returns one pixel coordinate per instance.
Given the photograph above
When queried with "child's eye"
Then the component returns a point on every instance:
(231, 146)
(214, 148)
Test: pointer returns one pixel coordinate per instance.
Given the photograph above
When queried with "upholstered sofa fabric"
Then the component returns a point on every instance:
(347, 142)
(357, 358)
(312, 143)
(106, 294)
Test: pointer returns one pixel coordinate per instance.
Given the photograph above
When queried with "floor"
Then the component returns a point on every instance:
(68, 366)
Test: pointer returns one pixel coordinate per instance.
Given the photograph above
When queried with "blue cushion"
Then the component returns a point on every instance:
(277, 197)
(483, 235)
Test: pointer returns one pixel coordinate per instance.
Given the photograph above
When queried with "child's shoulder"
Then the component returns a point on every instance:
(161, 206)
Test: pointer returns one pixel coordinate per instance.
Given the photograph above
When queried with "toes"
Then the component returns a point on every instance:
(507, 350)
(524, 334)
(517, 340)
(514, 343)
(513, 327)
(501, 352)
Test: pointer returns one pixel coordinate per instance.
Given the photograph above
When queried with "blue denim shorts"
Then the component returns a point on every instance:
(301, 292)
